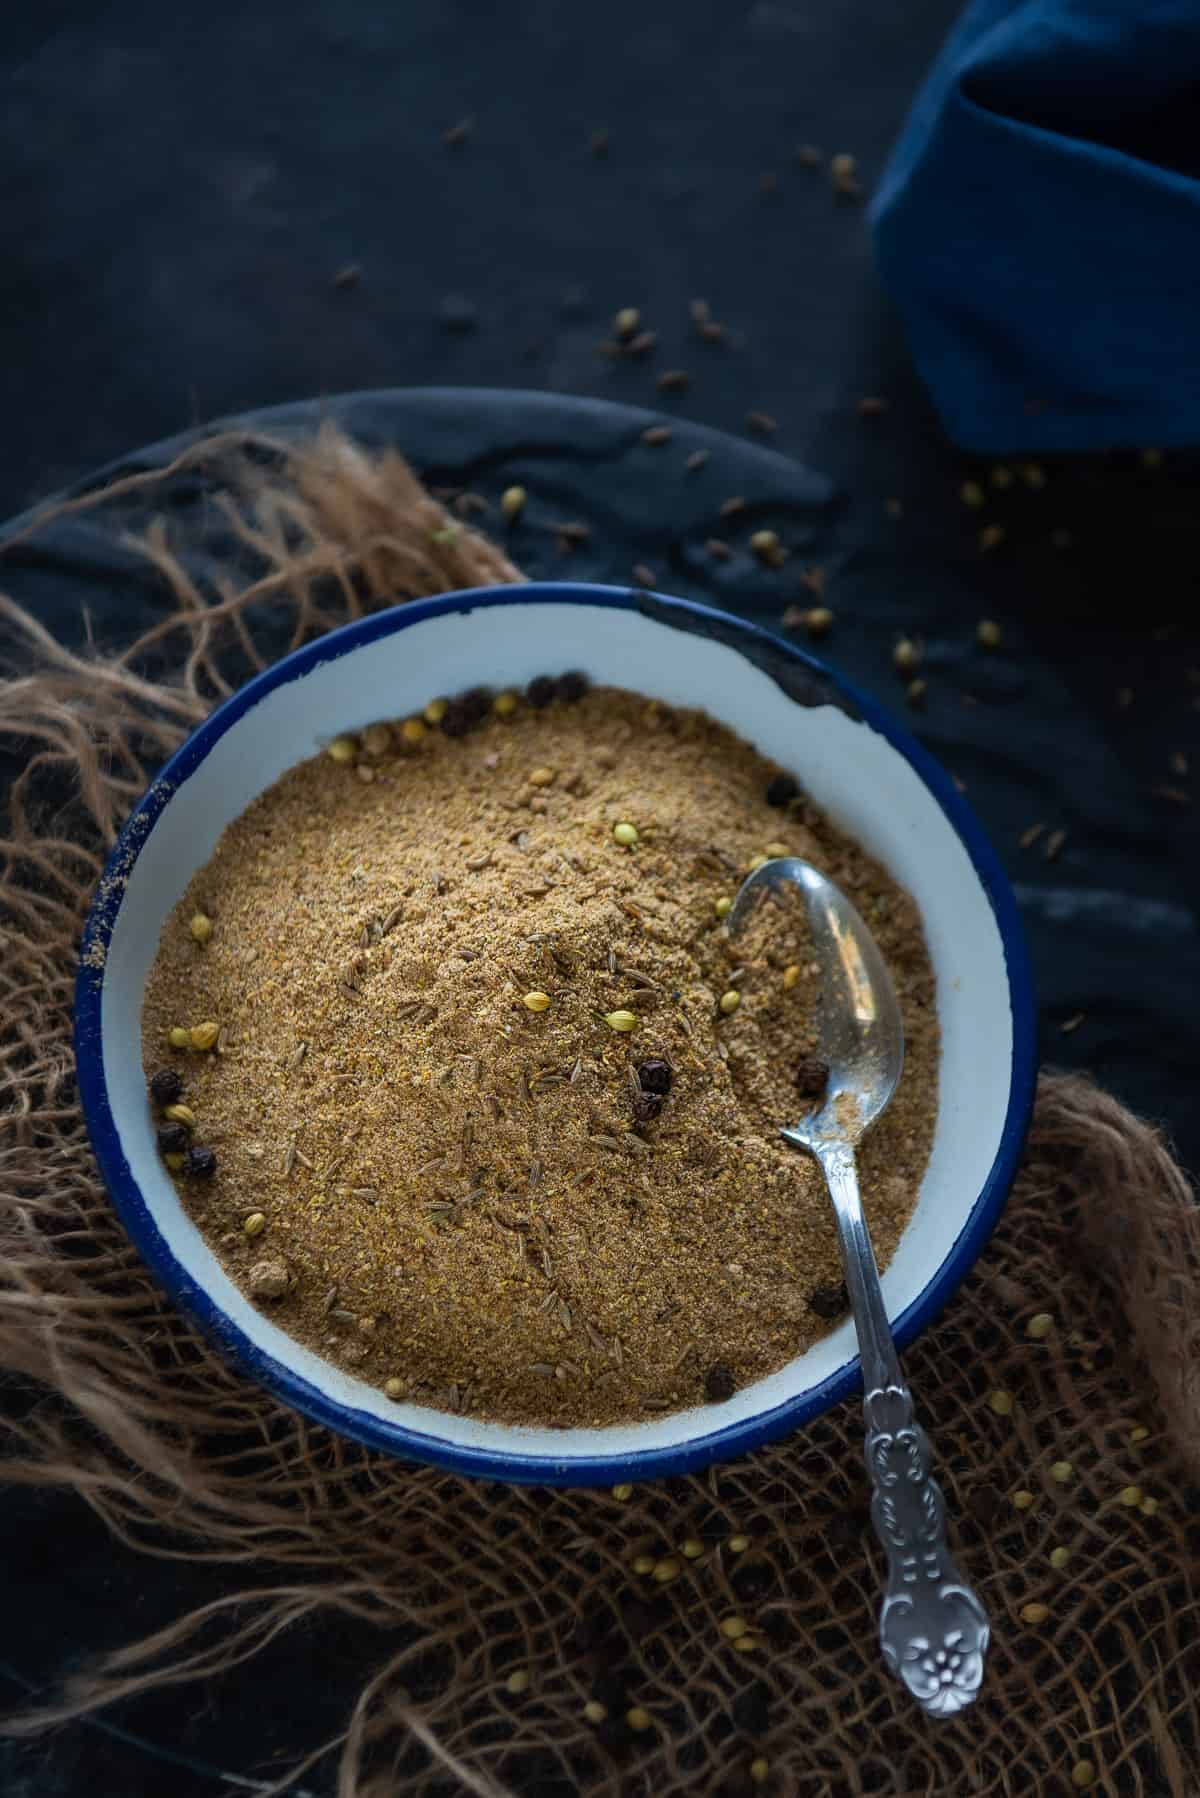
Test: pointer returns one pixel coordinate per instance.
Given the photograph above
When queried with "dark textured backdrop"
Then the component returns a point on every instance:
(182, 189)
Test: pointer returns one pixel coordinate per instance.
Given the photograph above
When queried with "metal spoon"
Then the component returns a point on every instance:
(932, 1627)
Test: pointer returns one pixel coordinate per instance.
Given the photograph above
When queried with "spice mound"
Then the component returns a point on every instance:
(457, 1066)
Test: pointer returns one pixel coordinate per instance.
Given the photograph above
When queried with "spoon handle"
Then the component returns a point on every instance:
(932, 1627)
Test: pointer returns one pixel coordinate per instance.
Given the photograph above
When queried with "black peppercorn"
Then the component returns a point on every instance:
(719, 1383)
(540, 692)
(782, 790)
(812, 1077)
(201, 1163)
(455, 721)
(655, 1075)
(476, 704)
(647, 1106)
(165, 1086)
(829, 1301)
(572, 686)
(173, 1139)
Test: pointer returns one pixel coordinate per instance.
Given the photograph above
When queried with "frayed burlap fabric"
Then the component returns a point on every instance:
(463, 1585)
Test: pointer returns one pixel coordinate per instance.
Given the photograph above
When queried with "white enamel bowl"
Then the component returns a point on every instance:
(858, 764)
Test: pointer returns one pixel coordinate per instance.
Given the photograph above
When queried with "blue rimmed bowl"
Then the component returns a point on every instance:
(858, 764)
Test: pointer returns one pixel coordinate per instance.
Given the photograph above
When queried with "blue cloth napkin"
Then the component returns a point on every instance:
(1039, 225)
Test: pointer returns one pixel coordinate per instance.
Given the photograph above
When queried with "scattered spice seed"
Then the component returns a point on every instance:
(254, 1224)
(1059, 1558)
(1053, 845)
(642, 344)
(766, 544)
(536, 1001)
(760, 1769)
(512, 504)
(517, 1682)
(991, 536)
(594, 1711)
(697, 459)
(1138, 1433)
(394, 1387)
(203, 1036)
(572, 686)
(1176, 796)
(666, 1570)
(733, 1627)
(761, 423)
(1072, 1023)
(906, 655)
(342, 749)
(989, 633)
(818, 621)
(458, 134)
(178, 1037)
(180, 1114)
(627, 321)
(1001, 1403)
(623, 1491)
(1148, 1506)
(644, 576)
(655, 1075)
(1035, 1612)
(1033, 475)
(1029, 837)
(201, 927)
(1083, 1774)
(542, 777)
(732, 506)
(1039, 1325)
(638, 1718)
(436, 710)
(1023, 1500)
(719, 1384)
(812, 1077)
(625, 834)
(730, 1001)
(673, 380)
(723, 906)
(621, 1021)
(1061, 1472)
(643, 1564)
(738, 1544)
(828, 1301)
(1002, 477)
(1129, 1496)
(656, 435)
(971, 494)
(916, 692)
(175, 1161)
(201, 1162)
(165, 1086)
(692, 1549)
(505, 704)
(377, 739)
(791, 976)
(647, 1107)
(172, 1138)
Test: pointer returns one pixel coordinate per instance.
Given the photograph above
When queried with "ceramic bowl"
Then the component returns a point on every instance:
(858, 764)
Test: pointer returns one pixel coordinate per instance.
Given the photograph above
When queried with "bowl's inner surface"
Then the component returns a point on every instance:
(850, 769)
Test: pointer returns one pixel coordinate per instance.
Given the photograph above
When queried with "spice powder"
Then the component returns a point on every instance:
(495, 1098)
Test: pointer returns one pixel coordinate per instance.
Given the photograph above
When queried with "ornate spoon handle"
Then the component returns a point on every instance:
(933, 1629)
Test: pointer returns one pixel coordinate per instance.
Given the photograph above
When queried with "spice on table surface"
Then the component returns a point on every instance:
(479, 1180)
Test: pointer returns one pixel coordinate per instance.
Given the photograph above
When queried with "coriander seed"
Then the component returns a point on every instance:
(818, 621)
(1001, 1403)
(542, 777)
(1083, 1774)
(621, 1021)
(178, 1037)
(594, 1711)
(730, 1001)
(377, 739)
(692, 1548)
(342, 749)
(1061, 1472)
(622, 1491)
(638, 1718)
(505, 704)
(1039, 1326)
(626, 321)
(732, 1627)
(517, 1682)
(255, 1224)
(536, 1001)
(723, 906)
(1138, 1433)
(394, 1388)
(760, 1769)
(1034, 1612)
(971, 493)
(625, 834)
(989, 634)
(1148, 1506)
(1023, 1500)
(512, 502)
(906, 655)
(412, 731)
(666, 1570)
(201, 927)
(176, 1161)
(435, 711)
(738, 1544)
(1129, 1496)
(1059, 1558)
(791, 976)
(643, 1564)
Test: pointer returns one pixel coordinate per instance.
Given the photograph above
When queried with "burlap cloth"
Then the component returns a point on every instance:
(465, 1584)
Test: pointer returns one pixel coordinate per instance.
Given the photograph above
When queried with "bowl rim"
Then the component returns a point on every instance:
(280, 1378)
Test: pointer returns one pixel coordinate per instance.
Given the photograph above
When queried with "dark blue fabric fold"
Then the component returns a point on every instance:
(1038, 225)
